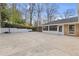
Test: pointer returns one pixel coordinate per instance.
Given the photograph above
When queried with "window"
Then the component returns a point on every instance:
(53, 28)
(60, 28)
(45, 28)
(71, 29)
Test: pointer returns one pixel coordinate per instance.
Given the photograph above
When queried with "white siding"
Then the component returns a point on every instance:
(2, 30)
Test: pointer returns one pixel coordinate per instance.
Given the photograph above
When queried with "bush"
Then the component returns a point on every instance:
(22, 26)
(17, 26)
(34, 28)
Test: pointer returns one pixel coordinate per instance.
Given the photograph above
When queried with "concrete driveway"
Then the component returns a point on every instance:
(38, 44)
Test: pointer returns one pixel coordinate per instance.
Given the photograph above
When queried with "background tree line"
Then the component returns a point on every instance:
(31, 14)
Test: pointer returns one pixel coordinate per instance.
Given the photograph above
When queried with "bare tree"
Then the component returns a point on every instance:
(26, 11)
(68, 13)
(31, 10)
(35, 23)
(0, 14)
(51, 10)
(47, 11)
(39, 10)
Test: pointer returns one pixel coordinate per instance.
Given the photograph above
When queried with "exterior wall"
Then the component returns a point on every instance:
(65, 29)
(77, 30)
(77, 25)
(62, 29)
(56, 32)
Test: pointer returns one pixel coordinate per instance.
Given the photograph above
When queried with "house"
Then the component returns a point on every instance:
(69, 26)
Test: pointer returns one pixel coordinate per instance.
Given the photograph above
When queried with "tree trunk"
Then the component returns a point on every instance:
(0, 15)
(30, 18)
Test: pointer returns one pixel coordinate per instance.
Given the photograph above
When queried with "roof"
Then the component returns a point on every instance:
(68, 20)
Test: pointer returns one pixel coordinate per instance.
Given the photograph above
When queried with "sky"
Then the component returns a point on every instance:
(62, 7)
(65, 6)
